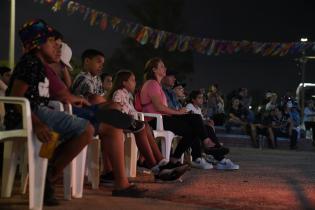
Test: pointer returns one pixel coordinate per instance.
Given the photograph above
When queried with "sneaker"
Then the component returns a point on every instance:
(172, 174)
(201, 163)
(227, 164)
(131, 191)
(136, 126)
(107, 178)
(219, 151)
(171, 165)
(210, 159)
(163, 162)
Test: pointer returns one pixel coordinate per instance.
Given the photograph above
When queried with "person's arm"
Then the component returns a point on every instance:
(84, 88)
(236, 119)
(66, 77)
(66, 97)
(3, 86)
(160, 107)
(190, 107)
(41, 130)
(220, 99)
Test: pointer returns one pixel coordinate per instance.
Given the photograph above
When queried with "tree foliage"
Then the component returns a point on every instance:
(164, 15)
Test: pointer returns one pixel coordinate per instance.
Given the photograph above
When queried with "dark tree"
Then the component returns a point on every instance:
(162, 15)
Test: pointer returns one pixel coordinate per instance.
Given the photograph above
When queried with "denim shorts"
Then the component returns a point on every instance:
(68, 126)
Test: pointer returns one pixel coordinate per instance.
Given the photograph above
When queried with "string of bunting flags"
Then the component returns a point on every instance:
(172, 41)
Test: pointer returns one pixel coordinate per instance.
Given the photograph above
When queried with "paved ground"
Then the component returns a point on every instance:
(268, 179)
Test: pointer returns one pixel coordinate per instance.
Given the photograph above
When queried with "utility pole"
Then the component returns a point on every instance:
(12, 35)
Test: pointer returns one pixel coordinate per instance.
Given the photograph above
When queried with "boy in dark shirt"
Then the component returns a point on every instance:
(29, 80)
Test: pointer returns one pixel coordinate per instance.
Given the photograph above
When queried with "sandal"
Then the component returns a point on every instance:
(131, 191)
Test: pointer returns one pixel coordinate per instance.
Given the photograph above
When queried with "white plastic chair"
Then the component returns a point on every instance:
(168, 136)
(91, 153)
(37, 166)
(73, 177)
(131, 155)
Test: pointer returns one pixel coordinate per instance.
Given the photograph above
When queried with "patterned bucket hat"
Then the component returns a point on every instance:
(35, 33)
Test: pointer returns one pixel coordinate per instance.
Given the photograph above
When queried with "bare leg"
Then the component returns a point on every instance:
(113, 138)
(271, 137)
(145, 148)
(64, 153)
(208, 143)
(107, 166)
(253, 134)
(154, 147)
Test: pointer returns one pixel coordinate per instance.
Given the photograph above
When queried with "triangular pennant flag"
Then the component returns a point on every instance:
(71, 7)
(86, 14)
(115, 21)
(172, 42)
(82, 9)
(93, 17)
(57, 6)
(183, 44)
(277, 49)
(212, 46)
(221, 48)
(103, 22)
(158, 38)
(48, 1)
(285, 49)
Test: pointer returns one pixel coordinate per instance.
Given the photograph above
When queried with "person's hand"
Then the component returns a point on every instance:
(42, 132)
(183, 110)
(80, 101)
(210, 123)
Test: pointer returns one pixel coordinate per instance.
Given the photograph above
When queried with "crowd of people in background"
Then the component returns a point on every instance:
(106, 105)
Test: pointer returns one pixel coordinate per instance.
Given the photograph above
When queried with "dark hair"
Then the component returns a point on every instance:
(193, 95)
(4, 69)
(91, 53)
(104, 75)
(120, 77)
(57, 35)
(148, 68)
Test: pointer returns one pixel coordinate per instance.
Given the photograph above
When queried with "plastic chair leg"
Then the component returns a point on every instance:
(167, 145)
(131, 156)
(93, 163)
(10, 160)
(67, 181)
(78, 175)
(37, 168)
(23, 169)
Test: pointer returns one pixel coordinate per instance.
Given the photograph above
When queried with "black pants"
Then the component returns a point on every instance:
(280, 133)
(218, 152)
(211, 134)
(190, 127)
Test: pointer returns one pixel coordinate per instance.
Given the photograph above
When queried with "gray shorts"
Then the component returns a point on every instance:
(68, 126)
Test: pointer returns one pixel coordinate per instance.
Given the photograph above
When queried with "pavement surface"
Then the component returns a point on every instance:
(267, 179)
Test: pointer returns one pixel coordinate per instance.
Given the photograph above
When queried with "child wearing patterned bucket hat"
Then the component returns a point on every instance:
(29, 80)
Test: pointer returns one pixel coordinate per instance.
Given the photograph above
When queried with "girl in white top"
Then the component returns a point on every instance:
(123, 88)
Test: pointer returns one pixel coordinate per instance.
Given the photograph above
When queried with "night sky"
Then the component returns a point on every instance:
(264, 21)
